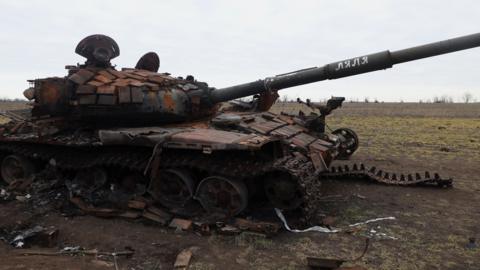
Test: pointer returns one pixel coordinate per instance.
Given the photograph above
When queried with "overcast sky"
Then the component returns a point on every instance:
(231, 42)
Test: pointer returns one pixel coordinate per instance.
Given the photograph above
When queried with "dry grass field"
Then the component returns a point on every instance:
(430, 231)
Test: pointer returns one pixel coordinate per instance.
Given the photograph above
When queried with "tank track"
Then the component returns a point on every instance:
(75, 158)
(226, 165)
(372, 173)
(134, 158)
(309, 185)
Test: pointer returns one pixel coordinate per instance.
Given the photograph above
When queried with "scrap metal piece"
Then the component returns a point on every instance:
(183, 259)
(36, 236)
(181, 224)
(269, 228)
(323, 264)
(229, 230)
(155, 214)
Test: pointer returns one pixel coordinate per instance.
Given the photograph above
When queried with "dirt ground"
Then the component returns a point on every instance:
(431, 229)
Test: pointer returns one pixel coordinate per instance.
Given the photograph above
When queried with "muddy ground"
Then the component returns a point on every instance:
(431, 229)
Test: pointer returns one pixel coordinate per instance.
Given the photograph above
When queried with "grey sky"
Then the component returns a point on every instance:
(230, 42)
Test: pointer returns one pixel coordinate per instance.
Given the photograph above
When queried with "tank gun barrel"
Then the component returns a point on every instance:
(345, 68)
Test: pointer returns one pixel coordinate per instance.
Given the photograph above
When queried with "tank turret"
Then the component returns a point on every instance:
(97, 92)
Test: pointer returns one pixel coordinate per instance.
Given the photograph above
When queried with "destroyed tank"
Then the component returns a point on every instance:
(116, 134)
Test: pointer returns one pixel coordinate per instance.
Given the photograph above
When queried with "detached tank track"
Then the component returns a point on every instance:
(384, 177)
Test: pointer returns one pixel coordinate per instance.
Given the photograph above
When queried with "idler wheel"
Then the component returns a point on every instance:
(16, 167)
(173, 188)
(282, 191)
(222, 195)
(349, 144)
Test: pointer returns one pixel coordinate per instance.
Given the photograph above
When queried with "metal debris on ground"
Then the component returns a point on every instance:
(269, 228)
(77, 251)
(5, 195)
(36, 236)
(183, 259)
(101, 263)
(181, 224)
(229, 230)
(135, 204)
(202, 228)
(471, 243)
(22, 198)
(360, 196)
(323, 264)
(155, 218)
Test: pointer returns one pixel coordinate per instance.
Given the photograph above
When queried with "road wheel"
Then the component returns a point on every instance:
(16, 167)
(173, 188)
(218, 194)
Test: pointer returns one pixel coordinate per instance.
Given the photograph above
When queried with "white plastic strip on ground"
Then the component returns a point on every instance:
(324, 229)
(311, 229)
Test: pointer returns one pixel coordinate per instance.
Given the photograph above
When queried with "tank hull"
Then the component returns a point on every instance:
(246, 148)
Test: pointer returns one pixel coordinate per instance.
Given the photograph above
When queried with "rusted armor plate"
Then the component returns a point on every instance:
(217, 140)
(187, 138)
(137, 136)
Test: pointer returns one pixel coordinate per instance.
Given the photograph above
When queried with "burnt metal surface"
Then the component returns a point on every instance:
(184, 138)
